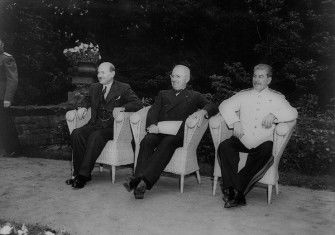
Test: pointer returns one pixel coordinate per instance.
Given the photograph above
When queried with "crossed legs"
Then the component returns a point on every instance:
(236, 184)
(156, 151)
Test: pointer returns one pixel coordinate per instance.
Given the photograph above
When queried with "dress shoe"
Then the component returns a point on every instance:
(71, 181)
(228, 194)
(140, 190)
(238, 200)
(131, 183)
(80, 182)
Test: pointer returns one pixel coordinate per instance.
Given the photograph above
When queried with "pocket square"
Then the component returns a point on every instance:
(117, 98)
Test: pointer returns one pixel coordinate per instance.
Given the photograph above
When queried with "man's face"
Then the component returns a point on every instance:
(260, 80)
(179, 79)
(105, 76)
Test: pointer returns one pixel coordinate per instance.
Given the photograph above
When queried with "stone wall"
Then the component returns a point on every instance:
(42, 130)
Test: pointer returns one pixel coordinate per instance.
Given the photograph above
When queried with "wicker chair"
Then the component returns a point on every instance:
(116, 152)
(282, 133)
(184, 160)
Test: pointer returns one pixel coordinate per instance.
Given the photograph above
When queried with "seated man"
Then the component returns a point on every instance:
(259, 108)
(106, 97)
(156, 149)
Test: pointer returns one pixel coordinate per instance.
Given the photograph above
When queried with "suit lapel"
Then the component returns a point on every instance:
(99, 92)
(112, 91)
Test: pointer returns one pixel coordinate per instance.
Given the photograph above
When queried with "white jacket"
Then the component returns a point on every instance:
(253, 106)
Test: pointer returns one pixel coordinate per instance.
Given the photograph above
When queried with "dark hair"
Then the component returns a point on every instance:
(266, 67)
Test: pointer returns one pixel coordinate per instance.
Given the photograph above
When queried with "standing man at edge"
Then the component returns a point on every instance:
(8, 85)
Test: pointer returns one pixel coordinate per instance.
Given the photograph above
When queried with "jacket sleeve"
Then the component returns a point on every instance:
(204, 103)
(131, 103)
(153, 113)
(12, 78)
(283, 111)
(229, 107)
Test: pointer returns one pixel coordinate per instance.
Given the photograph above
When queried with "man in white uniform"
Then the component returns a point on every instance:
(259, 109)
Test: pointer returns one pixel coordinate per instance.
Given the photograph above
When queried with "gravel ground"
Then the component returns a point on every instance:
(32, 190)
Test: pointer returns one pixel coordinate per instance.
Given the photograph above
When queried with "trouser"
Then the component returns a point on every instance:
(87, 144)
(156, 151)
(8, 134)
(259, 160)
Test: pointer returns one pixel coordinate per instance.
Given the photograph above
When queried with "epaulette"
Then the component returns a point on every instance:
(274, 91)
(7, 54)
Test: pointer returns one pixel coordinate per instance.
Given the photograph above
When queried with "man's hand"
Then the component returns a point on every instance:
(6, 104)
(153, 129)
(117, 110)
(268, 120)
(238, 130)
(200, 114)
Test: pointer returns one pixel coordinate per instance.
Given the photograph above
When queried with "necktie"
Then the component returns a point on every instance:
(104, 92)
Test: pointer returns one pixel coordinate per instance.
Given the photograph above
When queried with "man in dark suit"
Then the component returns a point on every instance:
(8, 85)
(156, 149)
(106, 97)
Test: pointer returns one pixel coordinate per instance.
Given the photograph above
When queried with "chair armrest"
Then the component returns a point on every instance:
(137, 124)
(193, 131)
(282, 134)
(77, 118)
(71, 117)
(219, 130)
(122, 130)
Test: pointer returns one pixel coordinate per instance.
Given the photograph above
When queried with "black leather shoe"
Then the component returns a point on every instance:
(140, 190)
(228, 194)
(131, 183)
(70, 181)
(80, 182)
(238, 200)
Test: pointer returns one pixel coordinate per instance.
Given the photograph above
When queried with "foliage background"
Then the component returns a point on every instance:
(221, 40)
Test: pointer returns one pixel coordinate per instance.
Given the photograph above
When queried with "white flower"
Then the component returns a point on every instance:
(65, 50)
(23, 230)
(91, 45)
(6, 229)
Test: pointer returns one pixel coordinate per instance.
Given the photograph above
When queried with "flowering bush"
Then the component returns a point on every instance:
(82, 53)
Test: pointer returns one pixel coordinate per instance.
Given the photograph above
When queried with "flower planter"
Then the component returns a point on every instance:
(82, 75)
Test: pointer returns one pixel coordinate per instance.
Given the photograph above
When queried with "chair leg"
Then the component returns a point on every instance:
(181, 183)
(277, 188)
(215, 181)
(269, 193)
(198, 176)
(101, 167)
(112, 173)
